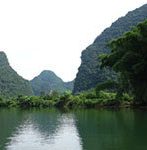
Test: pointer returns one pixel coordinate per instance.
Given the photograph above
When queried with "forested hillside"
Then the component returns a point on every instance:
(48, 81)
(129, 57)
(11, 84)
(90, 74)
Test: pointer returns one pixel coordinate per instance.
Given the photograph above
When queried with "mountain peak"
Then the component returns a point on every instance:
(3, 59)
(11, 84)
(47, 72)
(47, 81)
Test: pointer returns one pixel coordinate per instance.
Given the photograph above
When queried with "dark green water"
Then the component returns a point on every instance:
(77, 130)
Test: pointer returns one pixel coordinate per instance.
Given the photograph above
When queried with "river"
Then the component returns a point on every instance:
(51, 129)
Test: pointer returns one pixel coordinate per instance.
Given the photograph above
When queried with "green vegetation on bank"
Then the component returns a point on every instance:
(89, 99)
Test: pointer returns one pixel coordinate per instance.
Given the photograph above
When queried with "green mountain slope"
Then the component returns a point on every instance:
(48, 81)
(11, 84)
(89, 74)
(69, 85)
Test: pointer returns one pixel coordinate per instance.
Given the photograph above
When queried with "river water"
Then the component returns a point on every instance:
(51, 129)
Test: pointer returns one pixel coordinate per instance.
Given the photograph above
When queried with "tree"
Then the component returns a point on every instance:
(129, 58)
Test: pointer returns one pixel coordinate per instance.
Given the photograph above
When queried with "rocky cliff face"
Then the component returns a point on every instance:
(11, 84)
(90, 74)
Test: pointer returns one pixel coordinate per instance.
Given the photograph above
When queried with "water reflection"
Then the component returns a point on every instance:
(9, 120)
(112, 130)
(44, 132)
(77, 130)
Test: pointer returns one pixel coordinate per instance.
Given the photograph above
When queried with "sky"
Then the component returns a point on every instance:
(42, 35)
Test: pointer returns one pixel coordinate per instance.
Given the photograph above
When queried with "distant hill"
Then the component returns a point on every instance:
(69, 85)
(11, 84)
(89, 74)
(47, 81)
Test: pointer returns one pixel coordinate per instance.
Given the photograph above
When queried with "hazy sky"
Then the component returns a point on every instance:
(50, 34)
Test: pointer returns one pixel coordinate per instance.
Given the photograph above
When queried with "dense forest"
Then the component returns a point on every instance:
(128, 57)
(90, 74)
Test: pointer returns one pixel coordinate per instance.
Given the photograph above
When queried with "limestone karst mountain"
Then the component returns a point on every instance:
(48, 81)
(11, 84)
(90, 74)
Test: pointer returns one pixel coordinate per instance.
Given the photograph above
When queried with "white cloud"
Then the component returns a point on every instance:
(50, 34)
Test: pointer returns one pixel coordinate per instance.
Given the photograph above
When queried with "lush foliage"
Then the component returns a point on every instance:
(88, 99)
(129, 57)
(90, 74)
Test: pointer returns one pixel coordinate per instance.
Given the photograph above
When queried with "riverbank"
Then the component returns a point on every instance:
(67, 100)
